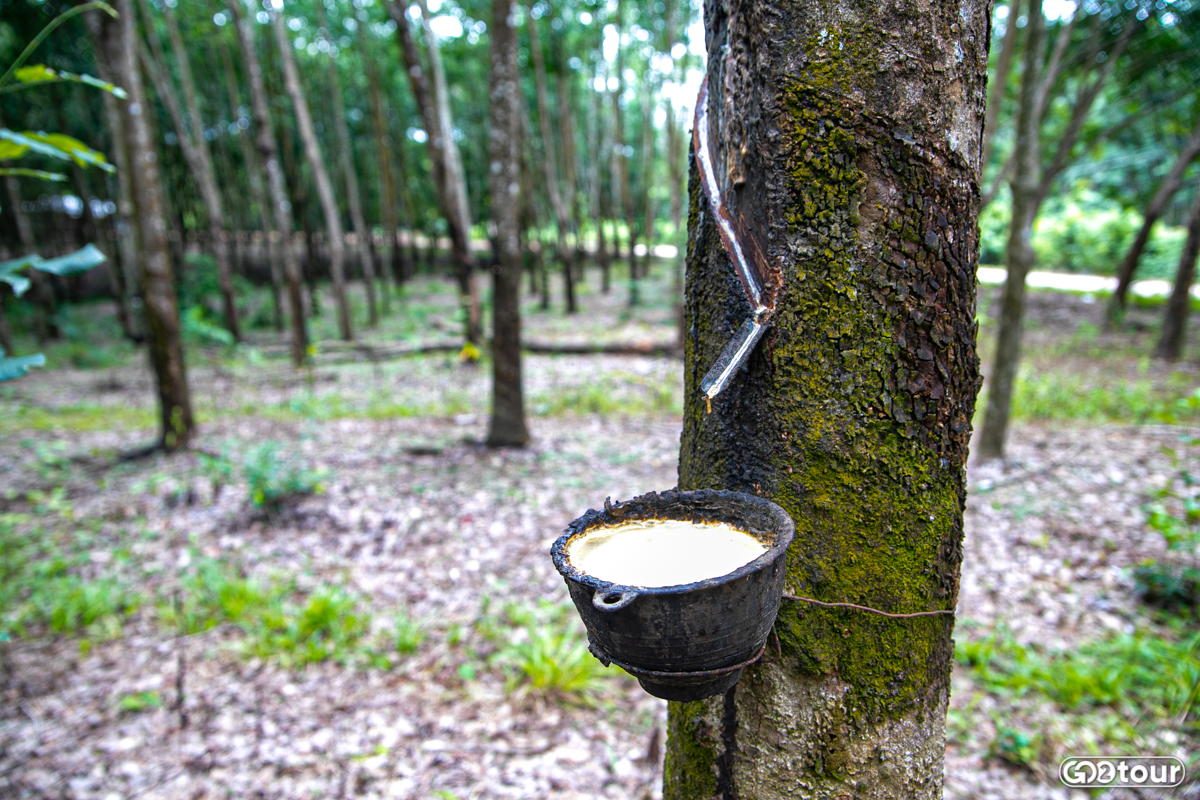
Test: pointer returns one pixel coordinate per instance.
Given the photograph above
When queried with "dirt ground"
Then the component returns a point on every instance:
(417, 518)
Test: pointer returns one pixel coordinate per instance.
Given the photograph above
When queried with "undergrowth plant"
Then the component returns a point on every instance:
(1174, 582)
(1140, 675)
(273, 481)
(546, 653)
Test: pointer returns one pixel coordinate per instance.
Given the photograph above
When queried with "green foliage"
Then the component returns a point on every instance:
(39, 590)
(407, 633)
(272, 481)
(198, 329)
(138, 702)
(1058, 395)
(547, 653)
(1173, 587)
(1139, 673)
(323, 624)
(1016, 747)
(1083, 232)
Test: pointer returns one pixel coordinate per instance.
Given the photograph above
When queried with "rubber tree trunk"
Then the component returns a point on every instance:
(281, 206)
(449, 180)
(204, 173)
(999, 81)
(387, 181)
(854, 413)
(647, 171)
(565, 115)
(562, 215)
(259, 195)
(350, 175)
(1018, 253)
(1174, 328)
(122, 269)
(1158, 204)
(316, 162)
(596, 145)
(507, 426)
(622, 188)
(161, 310)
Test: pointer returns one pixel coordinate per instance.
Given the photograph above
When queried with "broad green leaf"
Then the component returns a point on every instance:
(19, 283)
(9, 270)
(33, 144)
(40, 74)
(80, 152)
(81, 260)
(22, 172)
(11, 150)
(12, 368)
(36, 74)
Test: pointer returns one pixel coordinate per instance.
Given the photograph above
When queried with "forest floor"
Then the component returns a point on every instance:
(342, 593)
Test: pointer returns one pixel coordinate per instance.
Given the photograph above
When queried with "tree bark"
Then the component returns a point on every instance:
(350, 175)
(1158, 204)
(124, 222)
(316, 162)
(647, 171)
(620, 163)
(387, 181)
(562, 217)
(449, 181)
(507, 426)
(596, 146)
(206, 177)
(160, 307)
(257, 192)
(1174, 328)
(281, 207)
(854, 412)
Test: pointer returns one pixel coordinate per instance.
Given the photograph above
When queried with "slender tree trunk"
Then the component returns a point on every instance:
(449, 180)
(647, 176)
(271, 249)
(507, 425)
(316, 162)
(1158, 204)
(566, 131)
(854, 411)
(281, 206)
(999, 82)
(562, 218)
(383, 150)
(1019, 255)
(350, 175)
(622, 187)
(205, 175)
(596, 146)
(124, 221)
(1174, 328)
(163, 329)
(675, 156)
(43, 297)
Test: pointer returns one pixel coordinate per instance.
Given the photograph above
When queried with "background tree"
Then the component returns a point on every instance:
(281, 206)
(855, 410)
(507, 427)
(1032, 181)
(177, 424)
